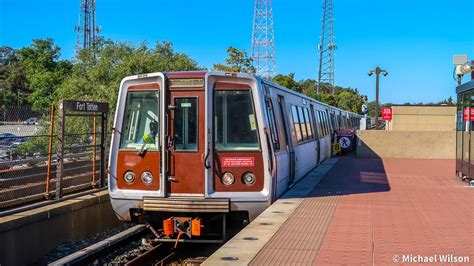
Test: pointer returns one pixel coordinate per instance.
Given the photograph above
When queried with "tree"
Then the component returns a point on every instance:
(371, 106)
(448, 101)
(98, 71)
(288, 81)
(43, 70)
(238, 61)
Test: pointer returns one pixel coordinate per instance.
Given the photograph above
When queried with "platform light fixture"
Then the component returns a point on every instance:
(377, 71)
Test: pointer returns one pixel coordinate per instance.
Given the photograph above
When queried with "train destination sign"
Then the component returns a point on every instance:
(238, 161)
(83, 106)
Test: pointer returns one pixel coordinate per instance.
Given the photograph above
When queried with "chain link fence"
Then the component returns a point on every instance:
(29, 161)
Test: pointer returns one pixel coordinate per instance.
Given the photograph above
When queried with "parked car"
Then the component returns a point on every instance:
(31, 121)
(7, 138)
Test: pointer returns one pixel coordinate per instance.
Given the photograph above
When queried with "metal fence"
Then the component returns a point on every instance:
(29, 160)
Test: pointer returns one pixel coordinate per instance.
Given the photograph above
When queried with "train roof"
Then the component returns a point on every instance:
(202, 74)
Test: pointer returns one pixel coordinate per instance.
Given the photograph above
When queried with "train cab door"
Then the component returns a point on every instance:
(289, 143)
(185, 145)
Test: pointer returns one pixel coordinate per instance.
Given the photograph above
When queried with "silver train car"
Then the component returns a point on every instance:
(192, 152)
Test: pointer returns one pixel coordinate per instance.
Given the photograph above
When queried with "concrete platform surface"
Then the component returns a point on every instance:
(375, 212)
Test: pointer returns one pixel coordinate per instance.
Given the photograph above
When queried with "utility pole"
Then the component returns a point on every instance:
(263, 48)
(377, 72)
(326, 48)
(87, 30)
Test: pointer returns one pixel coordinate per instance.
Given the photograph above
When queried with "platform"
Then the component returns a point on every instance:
(364, 212)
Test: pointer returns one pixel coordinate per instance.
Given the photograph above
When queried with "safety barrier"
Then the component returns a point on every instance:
(37, 163)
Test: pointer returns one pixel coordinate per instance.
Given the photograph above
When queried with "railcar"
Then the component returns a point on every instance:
(193, 151)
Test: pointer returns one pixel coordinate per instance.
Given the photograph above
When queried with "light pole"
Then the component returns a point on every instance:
(377, 72)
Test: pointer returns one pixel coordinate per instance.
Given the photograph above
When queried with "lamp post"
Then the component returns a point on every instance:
(377, 72)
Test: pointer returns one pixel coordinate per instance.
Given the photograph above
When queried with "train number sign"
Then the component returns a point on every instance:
(387, 114)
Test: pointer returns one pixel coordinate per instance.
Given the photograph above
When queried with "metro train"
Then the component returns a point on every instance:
(194, 151)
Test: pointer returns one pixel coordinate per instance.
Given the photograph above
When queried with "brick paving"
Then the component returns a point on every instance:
(365, 211)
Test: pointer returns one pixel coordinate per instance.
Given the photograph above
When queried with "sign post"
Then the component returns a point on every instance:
(83, 109)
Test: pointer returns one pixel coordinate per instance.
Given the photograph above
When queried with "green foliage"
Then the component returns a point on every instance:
(288, 81)
(448, 101)
(344, 98)
(238, 61)
(43, 71)
(97, 72)
(13, 83)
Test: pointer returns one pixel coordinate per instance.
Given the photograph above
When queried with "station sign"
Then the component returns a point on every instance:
(387, 114)
(468, 116)
(83, 106)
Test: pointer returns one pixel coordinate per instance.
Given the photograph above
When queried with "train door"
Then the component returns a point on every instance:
(289, 143)
(316, 132)
(465, 134)
(185, 141)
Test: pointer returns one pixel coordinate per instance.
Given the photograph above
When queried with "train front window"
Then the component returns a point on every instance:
(235, 122)
(140, 122)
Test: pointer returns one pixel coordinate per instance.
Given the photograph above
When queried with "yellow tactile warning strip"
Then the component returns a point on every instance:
(242, 248)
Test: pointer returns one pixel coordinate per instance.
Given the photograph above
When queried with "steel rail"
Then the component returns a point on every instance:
(86, 254)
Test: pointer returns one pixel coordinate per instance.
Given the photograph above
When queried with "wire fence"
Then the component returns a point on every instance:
(29, 161)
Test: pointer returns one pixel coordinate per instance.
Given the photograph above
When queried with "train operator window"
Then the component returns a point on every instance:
(140, 122)
(185, 124)
(235, 122)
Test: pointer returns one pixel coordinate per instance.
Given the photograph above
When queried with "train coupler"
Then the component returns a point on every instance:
(182, 226)
(185, 225)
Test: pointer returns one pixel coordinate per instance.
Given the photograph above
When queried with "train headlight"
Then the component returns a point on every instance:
(147, 178)
(129, 177)
(249, 178)
(227, 179)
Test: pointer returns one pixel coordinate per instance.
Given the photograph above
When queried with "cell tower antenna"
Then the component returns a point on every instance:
(326, 48)
(263, 48)
(87, 30)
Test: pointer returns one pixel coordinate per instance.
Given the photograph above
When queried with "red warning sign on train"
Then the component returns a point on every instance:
(238, 161)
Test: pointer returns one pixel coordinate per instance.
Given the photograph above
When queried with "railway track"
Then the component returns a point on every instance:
(128, 248)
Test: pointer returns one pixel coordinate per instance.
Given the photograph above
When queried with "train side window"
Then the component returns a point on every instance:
(235, 122)
(315, 123)
(272, 124)
(327, 122)
(304, 131)
(296, 124)
(323, 127)
(308, 123)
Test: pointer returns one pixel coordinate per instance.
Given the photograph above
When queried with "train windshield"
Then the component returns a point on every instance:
(235, 123)
(140, 123)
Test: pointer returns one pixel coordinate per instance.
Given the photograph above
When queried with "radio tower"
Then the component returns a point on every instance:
(87, 31)
(263, 49)
(326, 48)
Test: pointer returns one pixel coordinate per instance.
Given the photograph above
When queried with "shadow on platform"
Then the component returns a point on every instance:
(353, 176)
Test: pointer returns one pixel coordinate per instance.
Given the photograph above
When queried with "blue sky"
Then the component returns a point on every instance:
(414, 40)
